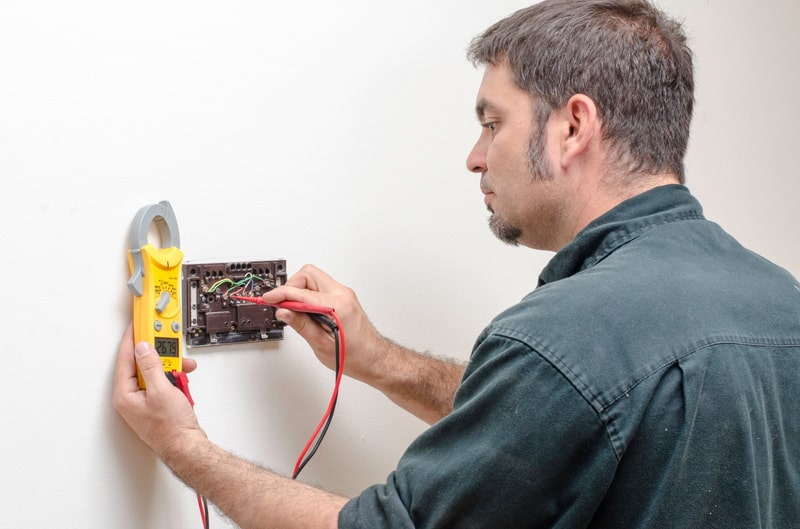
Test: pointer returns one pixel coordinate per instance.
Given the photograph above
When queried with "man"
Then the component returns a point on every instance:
(648, 379)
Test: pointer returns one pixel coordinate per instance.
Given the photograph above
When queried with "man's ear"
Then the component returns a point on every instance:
(580, 127)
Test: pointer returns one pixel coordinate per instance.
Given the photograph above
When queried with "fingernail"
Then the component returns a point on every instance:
(284, 315)
(142, 349)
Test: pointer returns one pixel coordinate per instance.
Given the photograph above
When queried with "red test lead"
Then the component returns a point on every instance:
(338, 334)
(297, 306)
(180, 381)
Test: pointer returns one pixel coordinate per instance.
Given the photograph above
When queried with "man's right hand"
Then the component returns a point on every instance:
(313, 286)
(417, 382)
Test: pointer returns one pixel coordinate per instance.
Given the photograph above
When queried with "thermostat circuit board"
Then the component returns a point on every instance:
(212, 317)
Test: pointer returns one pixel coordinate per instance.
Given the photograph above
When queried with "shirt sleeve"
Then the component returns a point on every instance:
(521, 449)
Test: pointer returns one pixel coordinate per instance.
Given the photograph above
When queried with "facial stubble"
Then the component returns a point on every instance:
(540, 169)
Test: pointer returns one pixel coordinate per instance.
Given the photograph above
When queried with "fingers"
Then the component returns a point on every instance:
(292, 293)
(125, 380)
(125, 368)
(130, 356)
(310, 285)
(189, 364)
(161, 412)
(151, 366)
(126, 393)
(311, 278)
(302, 323)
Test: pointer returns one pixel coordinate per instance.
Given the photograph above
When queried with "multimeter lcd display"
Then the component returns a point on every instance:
(167, 346)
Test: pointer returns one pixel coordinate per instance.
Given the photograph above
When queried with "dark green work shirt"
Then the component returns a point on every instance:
(651, 380)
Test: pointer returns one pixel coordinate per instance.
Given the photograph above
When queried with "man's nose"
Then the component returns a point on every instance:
(476, 160)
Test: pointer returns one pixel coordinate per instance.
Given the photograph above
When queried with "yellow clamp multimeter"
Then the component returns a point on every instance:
(155, 284)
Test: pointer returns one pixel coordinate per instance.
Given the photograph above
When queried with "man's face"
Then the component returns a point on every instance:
(517, 179)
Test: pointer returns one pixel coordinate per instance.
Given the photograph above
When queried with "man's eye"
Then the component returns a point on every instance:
(490, 125)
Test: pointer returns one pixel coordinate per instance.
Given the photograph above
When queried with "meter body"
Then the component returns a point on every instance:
(155, 284)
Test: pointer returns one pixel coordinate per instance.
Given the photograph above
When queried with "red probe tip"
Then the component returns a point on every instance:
(297, 306)
(251, 299)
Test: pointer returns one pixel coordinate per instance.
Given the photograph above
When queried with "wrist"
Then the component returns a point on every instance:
(376, 360)
(182, 448)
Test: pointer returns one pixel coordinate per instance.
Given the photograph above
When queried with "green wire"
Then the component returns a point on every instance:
(246, 279)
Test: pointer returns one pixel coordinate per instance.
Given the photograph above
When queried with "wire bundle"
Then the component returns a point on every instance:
(246, 284)
(181, 381)
(202, 503)
(323, 315)
(326, 316)
(333, 323)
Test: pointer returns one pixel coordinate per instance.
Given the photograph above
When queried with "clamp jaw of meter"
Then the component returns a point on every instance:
(155, 285)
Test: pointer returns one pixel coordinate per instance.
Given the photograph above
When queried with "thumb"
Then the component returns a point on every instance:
(149, 363)
(318, 337)
(301, 323)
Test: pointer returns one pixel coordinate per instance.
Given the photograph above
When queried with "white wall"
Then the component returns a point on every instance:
(324, 132)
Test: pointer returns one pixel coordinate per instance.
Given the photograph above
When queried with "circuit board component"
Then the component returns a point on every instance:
(212, 317)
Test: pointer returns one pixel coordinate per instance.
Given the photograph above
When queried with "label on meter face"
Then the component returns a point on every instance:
(157, 311)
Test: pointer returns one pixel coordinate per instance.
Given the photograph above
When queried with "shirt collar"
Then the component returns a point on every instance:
(620, 225)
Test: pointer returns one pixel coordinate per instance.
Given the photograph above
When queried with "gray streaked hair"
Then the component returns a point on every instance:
(628, 56)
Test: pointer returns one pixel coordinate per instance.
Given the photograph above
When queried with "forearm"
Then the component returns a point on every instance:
(255, 498)
(252, 496)
(421, 384)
